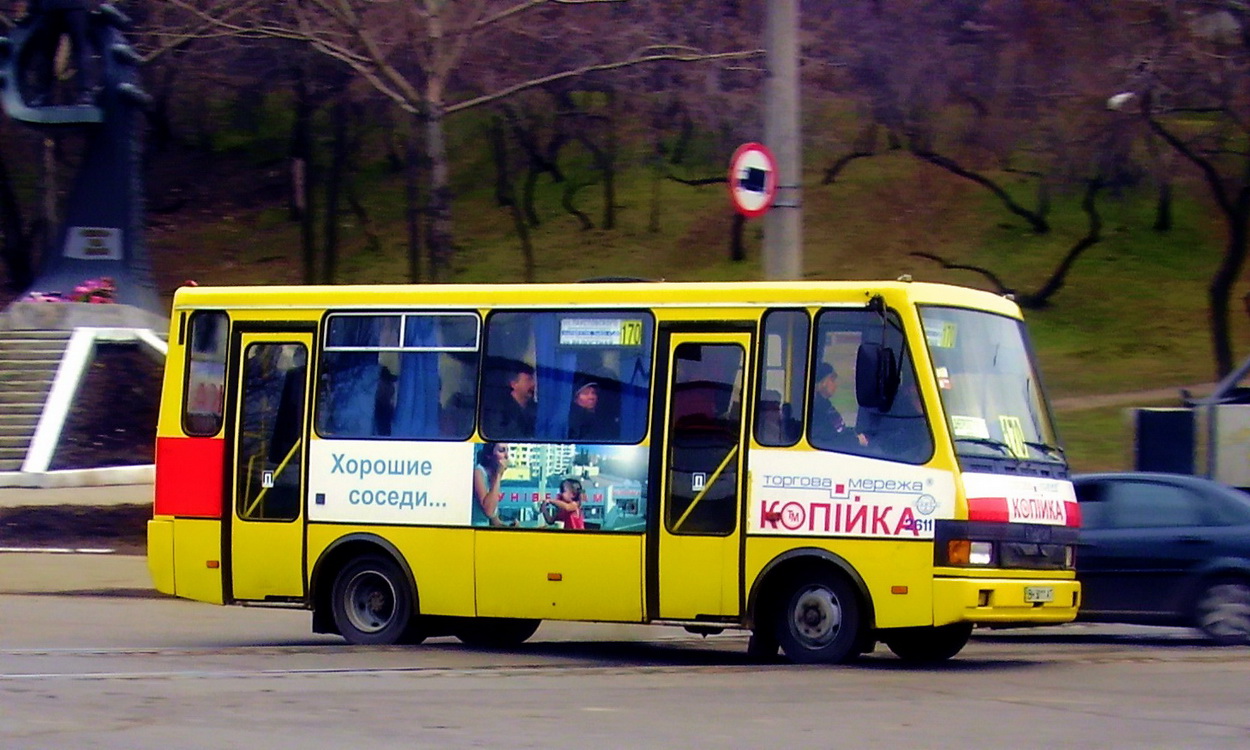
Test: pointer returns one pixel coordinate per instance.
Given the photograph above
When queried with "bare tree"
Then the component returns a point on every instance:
(1191, 88)
(412, 52)
(990, 93)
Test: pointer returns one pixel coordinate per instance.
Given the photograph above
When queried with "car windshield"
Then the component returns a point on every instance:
(989, 387)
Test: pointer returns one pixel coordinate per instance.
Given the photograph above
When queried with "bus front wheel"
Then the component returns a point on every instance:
(820, 622)
(372, 602)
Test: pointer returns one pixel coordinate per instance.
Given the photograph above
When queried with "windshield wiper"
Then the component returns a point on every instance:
(1053, 451)
(989, 443)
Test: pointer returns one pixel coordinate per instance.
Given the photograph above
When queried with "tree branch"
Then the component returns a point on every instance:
(836, 168)
(1035, 220)
(988, 274)
(596, 68)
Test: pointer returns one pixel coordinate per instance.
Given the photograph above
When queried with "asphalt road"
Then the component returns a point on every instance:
(133, 672)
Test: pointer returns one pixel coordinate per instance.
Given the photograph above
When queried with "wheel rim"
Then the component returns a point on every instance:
(816, 617)
(370, 601)
(1225, 613)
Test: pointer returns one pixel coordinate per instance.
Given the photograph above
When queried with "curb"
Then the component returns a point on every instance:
(75, 574)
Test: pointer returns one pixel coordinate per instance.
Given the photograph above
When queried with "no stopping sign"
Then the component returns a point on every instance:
(752, 179)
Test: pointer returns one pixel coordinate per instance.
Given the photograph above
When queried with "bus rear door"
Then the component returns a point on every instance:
(269, 437)
(696, 560)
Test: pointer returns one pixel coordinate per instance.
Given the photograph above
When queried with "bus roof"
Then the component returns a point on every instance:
(607, 294)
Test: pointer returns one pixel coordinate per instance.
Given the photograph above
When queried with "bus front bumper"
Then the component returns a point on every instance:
(1005, 601)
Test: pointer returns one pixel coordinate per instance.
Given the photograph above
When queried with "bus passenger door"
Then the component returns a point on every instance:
(699, 529)
(269, 437)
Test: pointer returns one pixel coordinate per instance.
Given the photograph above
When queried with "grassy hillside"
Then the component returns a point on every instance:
(1132, 316)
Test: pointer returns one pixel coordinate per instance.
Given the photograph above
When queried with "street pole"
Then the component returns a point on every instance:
(783, 224)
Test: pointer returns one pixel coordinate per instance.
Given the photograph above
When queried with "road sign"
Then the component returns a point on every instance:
(752, 179)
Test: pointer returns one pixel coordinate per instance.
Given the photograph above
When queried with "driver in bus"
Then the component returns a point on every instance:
(829, 429)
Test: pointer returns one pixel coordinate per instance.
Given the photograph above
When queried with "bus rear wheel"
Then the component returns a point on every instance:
(495, 632)
(820, 622)
(372, 603)
(929, 645)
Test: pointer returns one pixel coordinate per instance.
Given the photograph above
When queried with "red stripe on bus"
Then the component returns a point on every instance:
(992, 509)
(995, 509)
(189, 476)
(1073, 509)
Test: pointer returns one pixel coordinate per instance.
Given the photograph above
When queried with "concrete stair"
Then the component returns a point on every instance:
(28, 364)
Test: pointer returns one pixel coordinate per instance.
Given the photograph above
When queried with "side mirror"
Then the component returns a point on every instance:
(876, 376)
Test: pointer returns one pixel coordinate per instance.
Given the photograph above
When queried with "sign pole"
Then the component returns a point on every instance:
(783, 226)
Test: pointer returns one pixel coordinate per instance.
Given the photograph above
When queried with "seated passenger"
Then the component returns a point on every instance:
(587, 423)
(515, 415)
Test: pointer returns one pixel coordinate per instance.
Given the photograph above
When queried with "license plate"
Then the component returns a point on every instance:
(1037, 594)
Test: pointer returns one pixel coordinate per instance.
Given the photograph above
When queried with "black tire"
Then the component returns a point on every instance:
(762, 646)
(929, 645)
(495, 632)
(820, 622)
(372, 603)
(1222, 612)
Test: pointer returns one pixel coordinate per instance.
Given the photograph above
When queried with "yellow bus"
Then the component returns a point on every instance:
(829, 465)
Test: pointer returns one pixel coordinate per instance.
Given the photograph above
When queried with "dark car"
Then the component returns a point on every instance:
(1165, 549)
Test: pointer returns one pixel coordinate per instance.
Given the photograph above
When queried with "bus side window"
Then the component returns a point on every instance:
(398, 376)
(567, 377)
(783, 377)
(898, 433)
(204, 396)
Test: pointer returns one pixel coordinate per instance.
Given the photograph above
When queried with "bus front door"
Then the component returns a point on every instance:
(699, 529)
(266, 533)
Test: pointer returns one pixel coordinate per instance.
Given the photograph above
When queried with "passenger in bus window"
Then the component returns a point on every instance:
(829, 429)
(587, 422)
(569, 505)
(492, 462)
(384, 402)
(516, 414)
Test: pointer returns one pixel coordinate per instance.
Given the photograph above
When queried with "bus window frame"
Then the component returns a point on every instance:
(187, 386)
(762, 369)
(323, 348)
(651, 329)
(906, 353)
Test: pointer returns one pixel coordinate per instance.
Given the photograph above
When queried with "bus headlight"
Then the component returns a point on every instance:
(967, 552)
(981, 553)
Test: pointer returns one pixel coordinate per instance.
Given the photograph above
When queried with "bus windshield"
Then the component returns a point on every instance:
(990, 391)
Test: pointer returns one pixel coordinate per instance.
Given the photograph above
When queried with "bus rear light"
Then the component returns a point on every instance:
(1069, 557)
(981, 553)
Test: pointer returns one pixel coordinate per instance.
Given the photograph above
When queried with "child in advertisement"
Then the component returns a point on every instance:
(569, 505)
